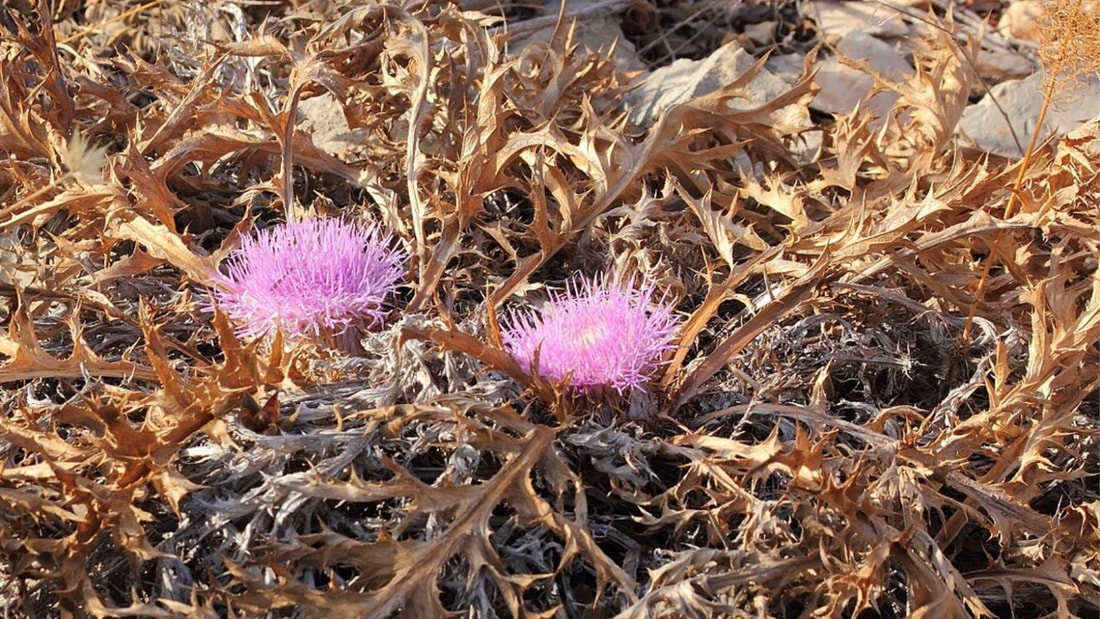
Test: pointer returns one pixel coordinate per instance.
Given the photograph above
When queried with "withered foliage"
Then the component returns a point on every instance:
(830, 438)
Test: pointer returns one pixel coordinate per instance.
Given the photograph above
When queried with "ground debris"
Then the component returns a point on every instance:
(881, 400)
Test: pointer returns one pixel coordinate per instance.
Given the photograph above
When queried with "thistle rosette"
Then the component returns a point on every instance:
(310, 279)
(598, 333)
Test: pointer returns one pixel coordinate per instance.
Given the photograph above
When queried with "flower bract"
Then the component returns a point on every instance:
(310, 278)
(598, 333)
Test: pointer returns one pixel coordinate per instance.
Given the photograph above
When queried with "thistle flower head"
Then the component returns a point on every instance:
(309, 278)
(598, 333)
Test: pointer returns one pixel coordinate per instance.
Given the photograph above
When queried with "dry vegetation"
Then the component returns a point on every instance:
(883, 402)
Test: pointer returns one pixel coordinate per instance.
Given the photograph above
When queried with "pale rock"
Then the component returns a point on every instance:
(787, 67)
(323, 118)
(685, 79)
(1022, 20)
(836, 19)
(987, 125)
(843, 86)
(762, 33)
(999, 66)
(597, 28)
(883, 57)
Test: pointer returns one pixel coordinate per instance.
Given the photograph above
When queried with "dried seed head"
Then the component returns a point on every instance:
(311, 278)
(599, 333)
(1070, 40)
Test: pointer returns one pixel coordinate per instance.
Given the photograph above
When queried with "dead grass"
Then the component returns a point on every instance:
(824, 442)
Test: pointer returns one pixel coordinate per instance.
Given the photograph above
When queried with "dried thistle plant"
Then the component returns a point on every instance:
(829, 449)
(1070, 40)
(1070, 50)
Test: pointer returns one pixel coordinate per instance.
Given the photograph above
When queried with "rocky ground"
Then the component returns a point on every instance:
(874, 226)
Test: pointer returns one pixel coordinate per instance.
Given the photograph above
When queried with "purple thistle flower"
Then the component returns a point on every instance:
(310, 278)
(599, 331)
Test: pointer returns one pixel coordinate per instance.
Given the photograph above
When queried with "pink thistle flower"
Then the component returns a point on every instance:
(310, 279)
(597, 333)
